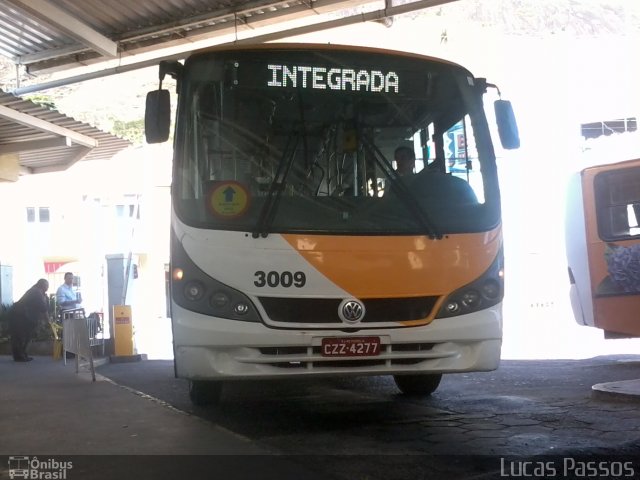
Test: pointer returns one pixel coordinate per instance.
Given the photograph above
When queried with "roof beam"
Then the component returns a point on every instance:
(48, 54)
(46, 12)
(31, 145)
(43, 125)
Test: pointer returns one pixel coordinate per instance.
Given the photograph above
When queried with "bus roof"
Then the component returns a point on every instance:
(614, 165)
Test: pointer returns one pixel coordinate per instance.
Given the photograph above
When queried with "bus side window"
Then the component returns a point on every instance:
(618, 203)
(633, 217)
(461, 156)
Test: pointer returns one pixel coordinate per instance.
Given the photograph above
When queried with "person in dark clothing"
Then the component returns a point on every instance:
(24, 317)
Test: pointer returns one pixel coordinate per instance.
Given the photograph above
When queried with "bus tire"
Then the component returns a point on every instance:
(418, 384)
(203, 392)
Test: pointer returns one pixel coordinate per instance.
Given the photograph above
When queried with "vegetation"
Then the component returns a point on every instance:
(132, 130)
(44, 100)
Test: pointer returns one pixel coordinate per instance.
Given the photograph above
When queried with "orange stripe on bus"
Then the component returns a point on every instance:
(399, 266)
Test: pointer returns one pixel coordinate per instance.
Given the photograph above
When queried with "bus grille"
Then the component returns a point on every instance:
(325, 310)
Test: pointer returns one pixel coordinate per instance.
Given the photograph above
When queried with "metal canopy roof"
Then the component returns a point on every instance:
(48, 35)
(46, 140)
(51, 35)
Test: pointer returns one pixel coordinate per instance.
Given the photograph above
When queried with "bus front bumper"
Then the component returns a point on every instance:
(208, 348)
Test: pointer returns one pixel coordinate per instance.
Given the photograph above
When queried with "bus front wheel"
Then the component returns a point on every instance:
(418, 384)
(205, 392)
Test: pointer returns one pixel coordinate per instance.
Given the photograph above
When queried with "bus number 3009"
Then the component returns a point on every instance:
(276, 279)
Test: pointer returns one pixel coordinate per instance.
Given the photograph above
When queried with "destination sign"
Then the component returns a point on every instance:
(322, 78)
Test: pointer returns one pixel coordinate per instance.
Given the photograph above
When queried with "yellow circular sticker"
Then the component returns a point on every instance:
(228, 199)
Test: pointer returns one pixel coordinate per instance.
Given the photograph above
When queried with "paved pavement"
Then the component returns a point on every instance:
(49, 410)
(523, 408)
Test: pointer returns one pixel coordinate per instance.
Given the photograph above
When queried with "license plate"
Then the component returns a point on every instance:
(350, 346)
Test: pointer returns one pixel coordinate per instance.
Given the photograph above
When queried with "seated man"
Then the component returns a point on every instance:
(442, 187)
(405, 164)
(431, 183)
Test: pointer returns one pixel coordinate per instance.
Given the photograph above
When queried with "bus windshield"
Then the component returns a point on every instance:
(278, 141)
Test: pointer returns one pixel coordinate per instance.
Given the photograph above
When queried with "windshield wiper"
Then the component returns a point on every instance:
(269, 209)
(403, 192)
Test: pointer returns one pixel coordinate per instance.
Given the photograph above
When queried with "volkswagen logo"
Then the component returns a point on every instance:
(351, 310)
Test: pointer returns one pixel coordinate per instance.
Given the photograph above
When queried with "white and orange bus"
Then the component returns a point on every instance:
(603, 247)
(296, 248)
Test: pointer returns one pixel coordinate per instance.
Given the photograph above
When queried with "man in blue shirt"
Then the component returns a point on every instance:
(66, 296)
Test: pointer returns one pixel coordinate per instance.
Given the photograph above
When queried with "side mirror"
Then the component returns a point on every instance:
(507, 126)
(157, 116)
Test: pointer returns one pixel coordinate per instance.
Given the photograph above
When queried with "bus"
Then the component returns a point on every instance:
(296, 248)
(603, 247)
(18, 467)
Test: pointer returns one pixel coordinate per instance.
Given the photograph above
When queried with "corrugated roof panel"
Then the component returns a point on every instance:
(58, 158)
(21, 34)
(138, 26)
(116, 18)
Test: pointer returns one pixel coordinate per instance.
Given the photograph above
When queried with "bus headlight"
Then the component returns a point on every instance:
(484, 292)
(196, 291)
(193, 291)
(470, 298)
(219, 300)
(452, 307)
(177, 274)
(491, 289)
(241, 308)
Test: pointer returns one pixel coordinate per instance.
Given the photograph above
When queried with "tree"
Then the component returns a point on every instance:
(132, 130)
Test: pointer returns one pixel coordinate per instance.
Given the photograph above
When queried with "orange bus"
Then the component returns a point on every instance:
(297, 250)
(603, 247)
